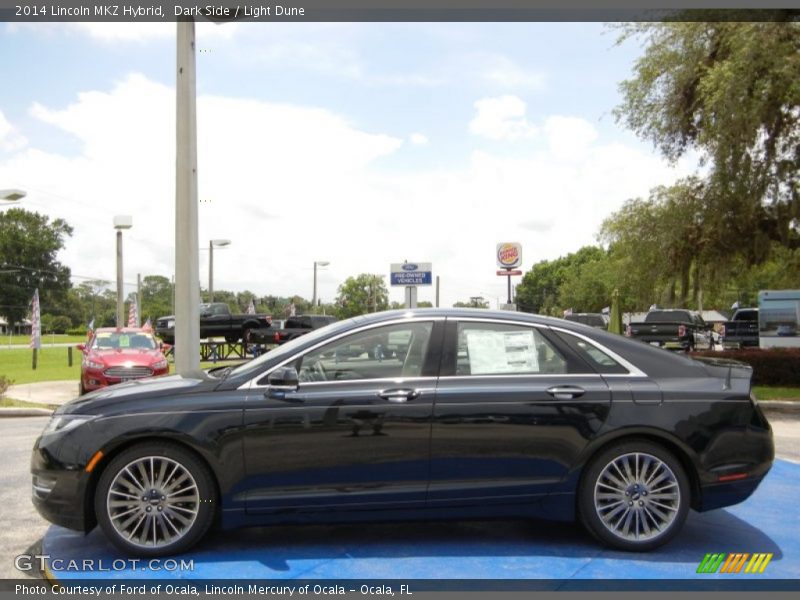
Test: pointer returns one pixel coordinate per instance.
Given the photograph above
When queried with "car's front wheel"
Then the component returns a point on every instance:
(155, 499)
(634, 496)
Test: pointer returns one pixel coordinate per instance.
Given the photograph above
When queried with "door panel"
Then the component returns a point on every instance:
(355, 433)
(509, 437)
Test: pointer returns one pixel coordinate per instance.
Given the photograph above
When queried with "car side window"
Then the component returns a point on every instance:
(597, 358)
(500, 349)
(383, 352)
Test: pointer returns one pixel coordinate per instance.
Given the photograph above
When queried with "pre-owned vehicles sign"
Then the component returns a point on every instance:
(410, 273)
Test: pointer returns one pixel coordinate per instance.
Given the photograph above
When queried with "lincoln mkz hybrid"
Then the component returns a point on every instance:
(423, 414)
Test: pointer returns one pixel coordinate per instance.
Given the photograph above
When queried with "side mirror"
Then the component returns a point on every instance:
(81, 347)
(285, 377)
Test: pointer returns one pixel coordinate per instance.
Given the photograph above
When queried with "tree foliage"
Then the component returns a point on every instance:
(29, 244)
(730, 91)
(362, 294)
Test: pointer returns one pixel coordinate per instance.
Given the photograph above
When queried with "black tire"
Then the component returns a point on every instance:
(173, 514)
(596, 497)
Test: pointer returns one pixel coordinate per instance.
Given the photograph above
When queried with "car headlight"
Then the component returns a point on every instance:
(95, 365)
(63, 423)
(162, 364)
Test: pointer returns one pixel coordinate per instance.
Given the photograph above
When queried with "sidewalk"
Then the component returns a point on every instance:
(45, 392)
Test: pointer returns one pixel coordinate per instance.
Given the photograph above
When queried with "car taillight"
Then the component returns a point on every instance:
(681, 330)
(629, 331)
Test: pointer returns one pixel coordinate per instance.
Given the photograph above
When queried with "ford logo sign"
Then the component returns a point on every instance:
(410, 267)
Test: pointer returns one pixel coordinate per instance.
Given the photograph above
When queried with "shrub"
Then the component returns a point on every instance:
(77, 331)
(771, 366)
(4, 383)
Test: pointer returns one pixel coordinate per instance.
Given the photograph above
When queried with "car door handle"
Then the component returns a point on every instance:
(565, 392)
(283, 394)
(398, 395)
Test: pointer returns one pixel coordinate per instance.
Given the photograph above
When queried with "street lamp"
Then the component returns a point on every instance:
(317, 263)
(120, 222)
(211, 245)
(12, 195)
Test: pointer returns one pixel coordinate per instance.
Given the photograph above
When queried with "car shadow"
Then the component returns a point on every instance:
(277, 550)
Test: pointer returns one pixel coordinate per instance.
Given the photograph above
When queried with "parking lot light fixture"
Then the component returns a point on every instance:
(211, 245)
(12, 195)
(120, 222)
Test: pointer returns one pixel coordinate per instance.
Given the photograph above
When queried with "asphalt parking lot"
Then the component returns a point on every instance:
(305, 555)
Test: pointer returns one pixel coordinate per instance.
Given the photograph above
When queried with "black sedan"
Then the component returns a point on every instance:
(410, 415)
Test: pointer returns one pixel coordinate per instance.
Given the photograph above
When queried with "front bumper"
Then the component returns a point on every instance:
(59, 490)
(94, 379)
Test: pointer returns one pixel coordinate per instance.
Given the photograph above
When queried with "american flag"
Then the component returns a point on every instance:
(148, 325)
(132, 314)
(251, 308)
(36, 322)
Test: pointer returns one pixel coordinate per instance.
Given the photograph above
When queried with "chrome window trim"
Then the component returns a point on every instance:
(633, 370)
(253, 383)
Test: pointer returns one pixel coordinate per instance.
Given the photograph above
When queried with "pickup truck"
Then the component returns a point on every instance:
(674, 329)
(293, 328)
(216, 320)
(741, 330)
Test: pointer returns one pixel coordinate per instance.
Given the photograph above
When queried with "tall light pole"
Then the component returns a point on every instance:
(317, 263)
(120, 222)
(211, 245)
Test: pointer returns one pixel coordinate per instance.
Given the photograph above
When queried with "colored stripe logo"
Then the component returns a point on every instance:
(736, 562)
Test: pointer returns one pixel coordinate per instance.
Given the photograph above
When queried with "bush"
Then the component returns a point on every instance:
(77, 331)
(773, 366)
(4, 383)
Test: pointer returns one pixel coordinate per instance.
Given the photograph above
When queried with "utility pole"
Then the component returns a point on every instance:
(437, 291)
(138, 299)
(187, 267)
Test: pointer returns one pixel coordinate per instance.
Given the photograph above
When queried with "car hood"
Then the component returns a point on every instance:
(120, 356)
(115, 397)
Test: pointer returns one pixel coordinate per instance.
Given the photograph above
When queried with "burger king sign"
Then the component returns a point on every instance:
(509, 255)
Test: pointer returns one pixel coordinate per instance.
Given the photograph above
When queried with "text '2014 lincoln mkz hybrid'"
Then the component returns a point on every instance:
(423, 414)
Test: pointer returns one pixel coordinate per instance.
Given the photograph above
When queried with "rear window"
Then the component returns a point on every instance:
(599, 360)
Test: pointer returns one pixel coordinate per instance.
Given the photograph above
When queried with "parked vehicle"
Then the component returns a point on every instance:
(741, 330)
(673, 329)
(293, 328)
(216, 320)
(598, 320)
(114, 356)
(483, 414)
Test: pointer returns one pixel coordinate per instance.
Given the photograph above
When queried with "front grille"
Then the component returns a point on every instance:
(128, 372)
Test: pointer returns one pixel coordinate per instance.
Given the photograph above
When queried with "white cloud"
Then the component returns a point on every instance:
(10, 138)
(503, 72)
(501, 118)
(419, 139)
(292, 184)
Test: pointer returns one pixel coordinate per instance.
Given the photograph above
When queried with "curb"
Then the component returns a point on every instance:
(25, 412)
(786, 404)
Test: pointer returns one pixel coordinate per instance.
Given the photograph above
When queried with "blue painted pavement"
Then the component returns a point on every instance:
(500, 550)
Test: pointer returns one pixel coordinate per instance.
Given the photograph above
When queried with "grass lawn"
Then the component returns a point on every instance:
(765, 392)
(16, 365)
(47, 338)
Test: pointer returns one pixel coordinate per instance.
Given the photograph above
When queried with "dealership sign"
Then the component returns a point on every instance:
(509, 255)
(410, 273)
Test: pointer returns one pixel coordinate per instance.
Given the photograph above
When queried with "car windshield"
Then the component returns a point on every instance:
(290, 347)
(112, 340)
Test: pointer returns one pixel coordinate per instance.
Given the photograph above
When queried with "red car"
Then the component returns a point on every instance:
(115, 355)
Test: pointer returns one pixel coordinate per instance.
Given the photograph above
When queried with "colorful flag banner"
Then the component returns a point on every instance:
(133, 317)
(36, 321)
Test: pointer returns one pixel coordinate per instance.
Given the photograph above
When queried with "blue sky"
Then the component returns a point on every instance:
(430, 142)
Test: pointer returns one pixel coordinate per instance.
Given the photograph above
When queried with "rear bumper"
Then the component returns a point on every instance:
(719, 495)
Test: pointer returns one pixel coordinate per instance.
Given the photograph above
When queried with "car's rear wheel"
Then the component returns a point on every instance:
(634, 496)
(155, 499)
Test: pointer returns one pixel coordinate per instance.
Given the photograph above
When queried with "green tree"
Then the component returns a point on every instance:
(29, 244)
(539, 291)
(474, 302)
(731, 91)
(362, 294)
(156, 300)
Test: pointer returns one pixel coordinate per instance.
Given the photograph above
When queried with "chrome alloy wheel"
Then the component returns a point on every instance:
(153, 501)
(637, 496)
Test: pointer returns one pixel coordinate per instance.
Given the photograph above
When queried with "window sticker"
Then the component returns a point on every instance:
(501, 352)
(124, 341)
